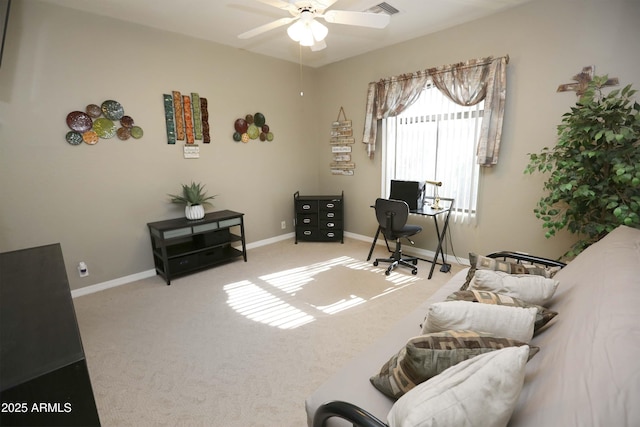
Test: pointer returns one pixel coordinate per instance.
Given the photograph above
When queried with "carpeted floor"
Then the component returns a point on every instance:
(242, 344)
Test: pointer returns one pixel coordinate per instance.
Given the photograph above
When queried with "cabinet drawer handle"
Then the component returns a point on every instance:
(307, 220)
(307, 233)
(330, 234)
(330, 224)
(330, 215)
(306, 207)
(330, 205)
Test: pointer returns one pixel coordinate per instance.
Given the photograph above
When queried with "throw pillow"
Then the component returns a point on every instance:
(426, 356)
(532, 289)
(482, 391)
(543, 316)
(499, 320)
(479, 262)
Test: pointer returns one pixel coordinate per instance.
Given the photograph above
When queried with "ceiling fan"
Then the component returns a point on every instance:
(306, 29)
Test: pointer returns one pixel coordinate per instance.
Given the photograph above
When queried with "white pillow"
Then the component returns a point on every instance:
(481, 391)
(530, 288)
(499, 320)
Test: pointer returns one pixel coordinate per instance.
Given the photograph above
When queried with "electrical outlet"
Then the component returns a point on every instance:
(283, 225)
(83, 270)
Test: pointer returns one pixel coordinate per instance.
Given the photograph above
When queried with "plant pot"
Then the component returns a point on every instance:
(194, 211)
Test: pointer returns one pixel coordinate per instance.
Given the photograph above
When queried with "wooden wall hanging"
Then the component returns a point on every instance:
(583, 78)
(341, 142)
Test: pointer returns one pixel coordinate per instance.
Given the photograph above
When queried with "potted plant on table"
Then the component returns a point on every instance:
(194, 197)
(594, 170)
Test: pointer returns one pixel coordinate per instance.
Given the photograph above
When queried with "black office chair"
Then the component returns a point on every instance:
(392, 218)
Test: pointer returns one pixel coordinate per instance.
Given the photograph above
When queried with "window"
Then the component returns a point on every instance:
(436, 139)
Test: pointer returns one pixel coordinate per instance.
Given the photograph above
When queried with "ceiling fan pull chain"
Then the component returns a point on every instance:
(300, 56)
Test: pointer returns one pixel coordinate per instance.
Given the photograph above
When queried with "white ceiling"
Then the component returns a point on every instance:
(222, 21)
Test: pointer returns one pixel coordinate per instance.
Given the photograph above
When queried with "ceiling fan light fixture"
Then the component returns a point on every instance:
(307, 39)
(307, 31)
(319, 31)
(296, 31)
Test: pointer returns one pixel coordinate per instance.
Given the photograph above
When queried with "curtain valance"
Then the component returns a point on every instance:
(465, 83)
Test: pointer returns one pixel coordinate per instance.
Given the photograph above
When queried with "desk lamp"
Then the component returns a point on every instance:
(436, 198)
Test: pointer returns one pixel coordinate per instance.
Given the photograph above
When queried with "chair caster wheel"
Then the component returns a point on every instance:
(414, 272)
(375, 263)
(415, 262)
(386, 273)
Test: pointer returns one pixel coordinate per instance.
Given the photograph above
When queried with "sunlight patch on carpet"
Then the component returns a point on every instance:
(257, 304)
(286, 299)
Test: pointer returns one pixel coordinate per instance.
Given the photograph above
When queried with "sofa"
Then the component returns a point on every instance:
(585, 370)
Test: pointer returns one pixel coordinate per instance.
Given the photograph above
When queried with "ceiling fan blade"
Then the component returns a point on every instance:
(318, 46)
(266, 27)
(324, 4)
(280, 4)
(361, 19)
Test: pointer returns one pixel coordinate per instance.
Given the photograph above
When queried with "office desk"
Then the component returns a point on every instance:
(426, 210)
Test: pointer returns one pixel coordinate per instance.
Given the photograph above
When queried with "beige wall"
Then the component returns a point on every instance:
(548, 42)
(97, 200)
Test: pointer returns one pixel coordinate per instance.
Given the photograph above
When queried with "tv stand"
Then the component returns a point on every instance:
(181, 246)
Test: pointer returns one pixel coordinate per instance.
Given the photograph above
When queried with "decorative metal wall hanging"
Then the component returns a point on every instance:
(252, 126)
(186, 117)
(101, 122)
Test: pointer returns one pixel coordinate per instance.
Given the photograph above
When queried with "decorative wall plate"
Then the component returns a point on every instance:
(90, 137)
(74, 138)
(104, 127)
(112, 110)
(126, 121)
(93, 111)
(123, 133)
(136, 132)
(79, 121)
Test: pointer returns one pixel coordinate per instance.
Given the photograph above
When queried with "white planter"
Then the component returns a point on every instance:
(194, 211)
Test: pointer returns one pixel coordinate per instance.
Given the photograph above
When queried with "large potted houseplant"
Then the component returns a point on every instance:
(593, 183)
(194, 197)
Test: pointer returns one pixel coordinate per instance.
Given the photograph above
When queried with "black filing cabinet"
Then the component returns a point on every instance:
(319, 218)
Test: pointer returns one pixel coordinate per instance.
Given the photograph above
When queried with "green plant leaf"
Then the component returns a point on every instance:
(593, 182)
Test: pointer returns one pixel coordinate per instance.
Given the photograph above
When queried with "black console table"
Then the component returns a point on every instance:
(181, 246)
(44, 379)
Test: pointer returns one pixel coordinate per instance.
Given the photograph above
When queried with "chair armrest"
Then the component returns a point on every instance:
(520, 257)
(352, 413)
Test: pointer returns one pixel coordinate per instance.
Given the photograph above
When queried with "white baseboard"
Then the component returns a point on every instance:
(150, 273)
(270, 240)
(112, 283)
(409, 250)
(421, 253)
